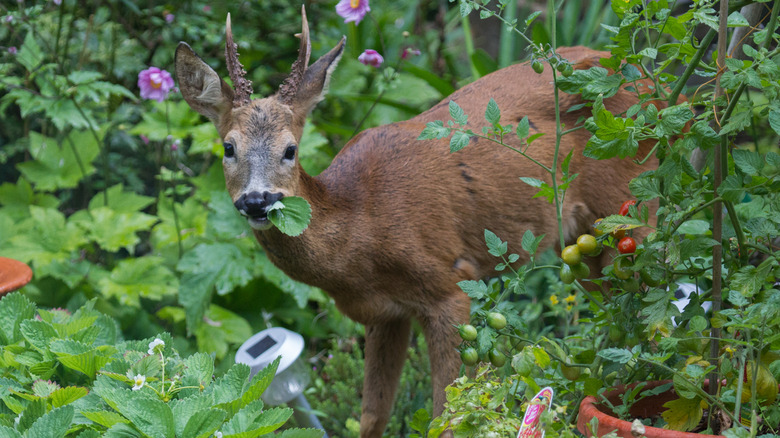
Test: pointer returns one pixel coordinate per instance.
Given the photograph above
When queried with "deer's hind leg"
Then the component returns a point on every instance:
(443, 340)
(385, 354)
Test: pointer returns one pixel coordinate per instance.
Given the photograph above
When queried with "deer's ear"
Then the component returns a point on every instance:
(201, 86)
(315, 82)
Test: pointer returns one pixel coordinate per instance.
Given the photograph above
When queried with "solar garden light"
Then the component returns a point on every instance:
(291, 376)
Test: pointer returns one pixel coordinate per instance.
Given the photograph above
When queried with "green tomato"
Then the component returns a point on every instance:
(615, 334)
(621, 269)
(469, 356)
(467, 332)
(567, 276)
(588, 245)
(496, 320)
(580, 270)
(632, 339)
(568, 70)
(571, 255)
(630, 284)
(651, 277)
(571, 373)
(497, 358)
(537, 66)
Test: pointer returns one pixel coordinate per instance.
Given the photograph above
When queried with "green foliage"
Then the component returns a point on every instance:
(71, 375)
(333, 393)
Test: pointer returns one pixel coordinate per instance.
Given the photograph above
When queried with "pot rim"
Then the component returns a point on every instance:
(590, 407)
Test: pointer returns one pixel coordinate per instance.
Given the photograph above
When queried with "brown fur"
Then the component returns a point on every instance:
(397, 222)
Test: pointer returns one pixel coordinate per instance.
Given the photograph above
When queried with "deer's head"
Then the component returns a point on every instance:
(260, 136)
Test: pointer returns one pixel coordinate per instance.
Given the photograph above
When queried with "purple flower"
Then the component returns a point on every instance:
(145, 139)
(9, 18)
(371, 57)
(154, 84)
(169, 17)
(12, 50)
(207, 8)
(409, 52)
(57, 2)
(352, 10)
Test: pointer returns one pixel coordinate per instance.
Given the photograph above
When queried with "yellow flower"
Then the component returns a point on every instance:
(730, 350)
(554, 299)
(571, 299)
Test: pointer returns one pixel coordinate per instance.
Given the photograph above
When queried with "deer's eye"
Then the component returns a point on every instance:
(289, 153)
(229, 149)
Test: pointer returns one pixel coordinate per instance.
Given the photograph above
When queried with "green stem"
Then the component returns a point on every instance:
(104, 148)
(173, 187)
(590, 296)
(506, 48)
(57, 38)
(464, 22)
(703, 48)
(511, 148)
(77, 156)
(558, 130)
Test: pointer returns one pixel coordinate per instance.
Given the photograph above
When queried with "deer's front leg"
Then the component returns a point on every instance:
(385, 353)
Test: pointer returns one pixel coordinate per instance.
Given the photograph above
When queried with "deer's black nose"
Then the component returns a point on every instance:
(254, 204)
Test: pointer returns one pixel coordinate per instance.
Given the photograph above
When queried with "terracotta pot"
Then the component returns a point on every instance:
(644, 408)
(13, 275)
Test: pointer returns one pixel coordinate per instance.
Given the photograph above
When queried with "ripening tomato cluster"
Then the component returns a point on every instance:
(591, 245)
(468, 352)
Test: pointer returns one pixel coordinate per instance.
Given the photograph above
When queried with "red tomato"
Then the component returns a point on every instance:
(627, 245)
(624, 208)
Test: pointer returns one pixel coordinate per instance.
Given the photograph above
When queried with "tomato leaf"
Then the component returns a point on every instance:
(683, 414)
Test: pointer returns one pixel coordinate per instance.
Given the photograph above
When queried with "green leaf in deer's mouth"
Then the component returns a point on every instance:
(291, 215)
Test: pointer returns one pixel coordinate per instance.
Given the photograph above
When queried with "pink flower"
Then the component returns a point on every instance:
(144, 139)
(371, 57)
(12, 50)
(207, 8)
(409, 52)
(155, 84)
(352, 10)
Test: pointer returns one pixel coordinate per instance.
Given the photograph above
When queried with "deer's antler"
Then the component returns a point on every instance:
(290, 86)
(242, 86)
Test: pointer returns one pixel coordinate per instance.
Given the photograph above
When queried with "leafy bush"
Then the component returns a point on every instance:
(335, 394)
(72, 375)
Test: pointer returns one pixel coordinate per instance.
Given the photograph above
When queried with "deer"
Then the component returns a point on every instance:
(397, 222)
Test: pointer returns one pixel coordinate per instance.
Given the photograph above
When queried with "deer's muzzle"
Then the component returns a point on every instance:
(254, 205)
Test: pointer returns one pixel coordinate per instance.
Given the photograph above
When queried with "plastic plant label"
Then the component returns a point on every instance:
(291, 215)
(530, 428)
